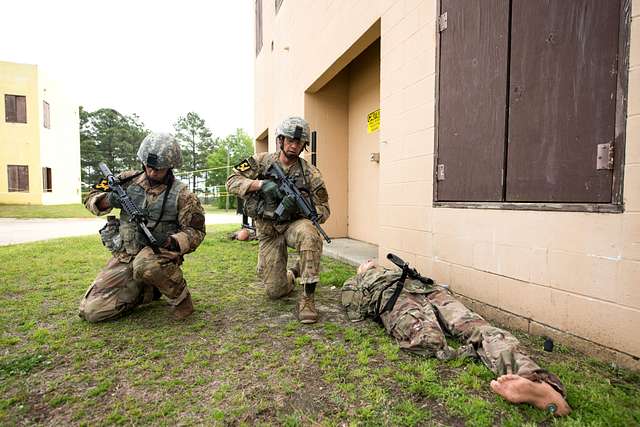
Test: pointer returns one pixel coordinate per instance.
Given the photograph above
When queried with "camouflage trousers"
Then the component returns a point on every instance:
(419, 323)
(126, 283)
(272, 254)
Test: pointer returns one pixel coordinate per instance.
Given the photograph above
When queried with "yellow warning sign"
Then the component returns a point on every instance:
(373, 121)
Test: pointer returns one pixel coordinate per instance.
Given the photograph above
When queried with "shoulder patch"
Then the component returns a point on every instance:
(245, 165)
(102, 185)
(322, 195)
(197, 222)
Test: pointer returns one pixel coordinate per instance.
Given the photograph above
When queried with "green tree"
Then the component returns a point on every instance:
(111, 137)
(196, 142)
(235, 148)
(228, 152)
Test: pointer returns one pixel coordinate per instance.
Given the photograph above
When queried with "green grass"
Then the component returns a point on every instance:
(215, 209)
(242, 359)
(75, 210)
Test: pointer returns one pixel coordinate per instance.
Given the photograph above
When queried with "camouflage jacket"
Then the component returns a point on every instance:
(256, 166)
(365, 294)
(191, 220)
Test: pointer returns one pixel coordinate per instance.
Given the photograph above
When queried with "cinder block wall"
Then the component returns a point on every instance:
(572, 275)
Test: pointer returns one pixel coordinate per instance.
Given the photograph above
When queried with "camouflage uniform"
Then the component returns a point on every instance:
(274, 237)
(422, 315)
(135, 273)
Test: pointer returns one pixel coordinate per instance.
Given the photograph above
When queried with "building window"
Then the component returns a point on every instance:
(15, 109)
(258, 26)
(18, 178)
(47, 186)
(528, 107)
(278, 4)
(46, 117)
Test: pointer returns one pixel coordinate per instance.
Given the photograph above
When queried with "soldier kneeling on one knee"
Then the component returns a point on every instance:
(275, 233)
(137, 274)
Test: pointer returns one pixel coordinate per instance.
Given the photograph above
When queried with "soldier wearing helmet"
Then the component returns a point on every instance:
(289, 229)
(135, 274)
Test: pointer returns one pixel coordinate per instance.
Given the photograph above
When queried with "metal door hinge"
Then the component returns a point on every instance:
(440, 175)
(604, 157)
(442, 22)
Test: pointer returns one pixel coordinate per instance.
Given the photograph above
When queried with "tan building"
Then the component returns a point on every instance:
(39, 139)
(507, 162)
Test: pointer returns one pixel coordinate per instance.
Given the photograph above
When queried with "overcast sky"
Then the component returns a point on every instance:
(159, 59)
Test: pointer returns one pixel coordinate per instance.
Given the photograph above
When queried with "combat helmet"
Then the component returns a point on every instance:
(294, 128)
(160, 150)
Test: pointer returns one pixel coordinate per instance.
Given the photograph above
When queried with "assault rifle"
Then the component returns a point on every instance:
(129, 207)
(289, 189)
(411, 273)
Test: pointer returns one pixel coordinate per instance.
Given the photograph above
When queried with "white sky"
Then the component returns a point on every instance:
(159, 59)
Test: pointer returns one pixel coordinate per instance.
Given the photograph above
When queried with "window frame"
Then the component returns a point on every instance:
(46, 115)
(258, 26)
(7, 97)
(18, 189)
(617, 202)
(47, 182)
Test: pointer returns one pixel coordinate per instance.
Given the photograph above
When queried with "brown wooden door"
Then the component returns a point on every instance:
(562, 100)
(472, 99)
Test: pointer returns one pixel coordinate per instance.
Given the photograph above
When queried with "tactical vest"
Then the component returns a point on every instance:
(255, 206)
(365, 297)
(161, 227)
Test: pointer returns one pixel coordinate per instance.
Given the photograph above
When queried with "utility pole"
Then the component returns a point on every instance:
(193, 159)
(227, 202)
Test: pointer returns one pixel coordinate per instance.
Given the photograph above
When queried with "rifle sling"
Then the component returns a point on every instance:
(306, 184)
(164, 202)
(391, 302)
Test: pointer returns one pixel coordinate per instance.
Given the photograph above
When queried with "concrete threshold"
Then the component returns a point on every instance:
(351, 251)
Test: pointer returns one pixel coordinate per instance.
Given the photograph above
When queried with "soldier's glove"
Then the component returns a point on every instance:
(270, 190)
(171, 244)
(114, 200)
(290, 206)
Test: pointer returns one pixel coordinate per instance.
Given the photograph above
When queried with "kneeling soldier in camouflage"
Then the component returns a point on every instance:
(423, 313)
(275, 233)
(136, 274)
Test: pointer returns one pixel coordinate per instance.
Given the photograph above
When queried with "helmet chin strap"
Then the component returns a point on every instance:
(281, 139)
(167, 178)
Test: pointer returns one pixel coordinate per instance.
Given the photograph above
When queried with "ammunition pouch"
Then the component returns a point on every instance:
(257, 205)
(253, 205)
(110, 234)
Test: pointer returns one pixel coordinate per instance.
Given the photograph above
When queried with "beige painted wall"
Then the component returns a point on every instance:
(575, 272)
(364, 97)
(60, 144)
(328, 112)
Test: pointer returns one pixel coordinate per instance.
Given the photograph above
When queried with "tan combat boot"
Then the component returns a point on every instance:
(184, 309)
(307, 312)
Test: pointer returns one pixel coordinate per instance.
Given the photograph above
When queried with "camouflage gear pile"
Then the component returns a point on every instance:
(134, 271)
(288, 128)
(422, 315)
(159, 151)
(275, 237)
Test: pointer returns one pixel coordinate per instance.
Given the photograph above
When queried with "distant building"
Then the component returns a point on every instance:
(39, 139)
(493, 145)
